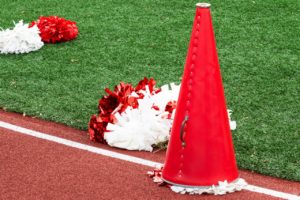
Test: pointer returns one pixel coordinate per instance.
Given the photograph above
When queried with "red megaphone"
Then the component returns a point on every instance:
(200, 151)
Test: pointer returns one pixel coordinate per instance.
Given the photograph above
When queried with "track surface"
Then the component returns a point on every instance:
(32, 168)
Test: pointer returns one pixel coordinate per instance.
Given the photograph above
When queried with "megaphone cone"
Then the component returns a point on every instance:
(200, 151)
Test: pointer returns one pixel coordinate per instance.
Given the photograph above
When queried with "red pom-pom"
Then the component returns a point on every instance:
(97, 127)
(55, 29)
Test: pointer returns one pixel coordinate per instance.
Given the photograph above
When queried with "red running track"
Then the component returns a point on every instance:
(33, 168)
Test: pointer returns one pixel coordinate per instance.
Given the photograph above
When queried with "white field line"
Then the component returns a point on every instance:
(273, 193)
(78, 145)
(125, 157)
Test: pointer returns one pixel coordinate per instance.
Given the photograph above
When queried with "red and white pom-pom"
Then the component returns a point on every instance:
(55, 29)
(144, 126)
(20, 39)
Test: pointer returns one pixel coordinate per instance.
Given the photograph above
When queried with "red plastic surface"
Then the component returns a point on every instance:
(208, 156)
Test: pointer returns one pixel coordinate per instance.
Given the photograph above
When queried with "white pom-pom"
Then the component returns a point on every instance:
(220, 189)
(20, 39)
(138, 129)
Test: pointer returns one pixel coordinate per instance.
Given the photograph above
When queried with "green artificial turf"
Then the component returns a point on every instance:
(258, 44)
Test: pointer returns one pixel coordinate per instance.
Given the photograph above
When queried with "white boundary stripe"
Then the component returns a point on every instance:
(78, 145)
(125, 157)
(273, 193)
